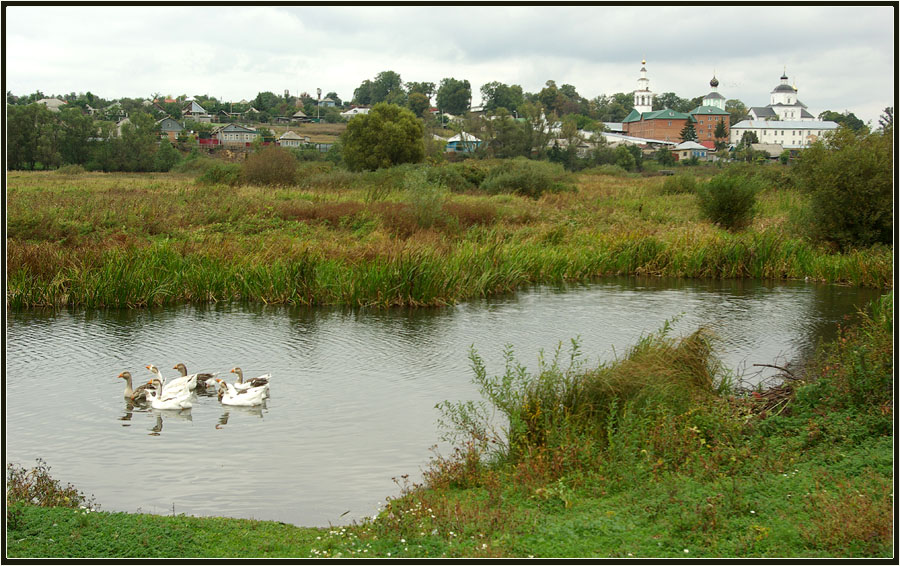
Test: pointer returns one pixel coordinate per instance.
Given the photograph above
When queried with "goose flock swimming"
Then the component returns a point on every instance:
(175, 393)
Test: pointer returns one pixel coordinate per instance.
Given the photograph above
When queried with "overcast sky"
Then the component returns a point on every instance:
(839, 57)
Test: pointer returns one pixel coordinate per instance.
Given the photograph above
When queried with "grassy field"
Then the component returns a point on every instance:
(133, 240)
(651, 456)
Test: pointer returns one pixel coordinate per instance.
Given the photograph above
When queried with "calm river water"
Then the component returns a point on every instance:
(352, 393)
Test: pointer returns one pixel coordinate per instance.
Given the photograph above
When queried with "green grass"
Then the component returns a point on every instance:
(653, 455)
(131, 240)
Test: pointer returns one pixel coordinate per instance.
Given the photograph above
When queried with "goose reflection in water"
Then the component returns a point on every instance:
(256, 411)
(183, 415)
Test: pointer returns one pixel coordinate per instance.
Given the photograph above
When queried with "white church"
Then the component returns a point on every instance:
(784, 121)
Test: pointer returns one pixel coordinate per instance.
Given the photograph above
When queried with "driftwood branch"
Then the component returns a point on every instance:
(785, 370)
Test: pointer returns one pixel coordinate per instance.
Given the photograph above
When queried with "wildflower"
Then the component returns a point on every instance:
(686, 551)
(752, 512)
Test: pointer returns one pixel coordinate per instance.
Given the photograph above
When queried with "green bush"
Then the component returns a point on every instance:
(728, 200)
(451, 177)
(850, 182)
(474, 172)
(221, 174)
(195, 164)
(679, 184)
(36, 487)
(609, 169)
(526, 177)
(71, 170)
(271, 166)
(425, 197)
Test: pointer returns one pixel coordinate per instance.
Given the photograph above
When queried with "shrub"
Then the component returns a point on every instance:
(194, 164)
(71, 170)
(526, 177)
(221, 174)
(609, 169)
(679, 184)
(473, 172)
(36, 487)
(271, 166)
(850, 181)
(728, 200)
(451, 177)
(550, 407)
(425, 197)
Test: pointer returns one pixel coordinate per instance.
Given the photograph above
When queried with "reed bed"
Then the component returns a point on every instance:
(131, 241)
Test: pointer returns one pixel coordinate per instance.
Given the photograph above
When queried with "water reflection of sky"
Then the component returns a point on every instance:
(353, 390)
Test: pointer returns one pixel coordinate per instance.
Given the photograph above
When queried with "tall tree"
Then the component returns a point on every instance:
(674, 102)
(76, 130)
(688, 133)
(496, 95)
(418, 103)
(886, 120)
(737, 110)
(848, 119)
(549, 97)
(721, 133)
(454, 96)
(425, 88)
(388, 135)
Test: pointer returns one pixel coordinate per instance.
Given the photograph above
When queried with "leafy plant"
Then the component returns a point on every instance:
(728, 200)
(270, 166)
(526, 177)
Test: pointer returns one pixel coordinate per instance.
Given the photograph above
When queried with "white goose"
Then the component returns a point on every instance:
(199, 378)
(261, 381)
(228, 395)
(159, 399)
(172, 385)
(134, 395)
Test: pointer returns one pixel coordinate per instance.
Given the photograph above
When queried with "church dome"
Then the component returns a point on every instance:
(784, 88)
(714, 82)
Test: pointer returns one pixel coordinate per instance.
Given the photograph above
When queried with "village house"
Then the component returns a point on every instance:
(235, 134)
(195, 112)
(170, 128)
(53, 104)
(687, 150)
(291, 139)
(355, 111)
(462, 143)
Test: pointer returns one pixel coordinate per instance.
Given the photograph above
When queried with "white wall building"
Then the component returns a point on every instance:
(790, 134)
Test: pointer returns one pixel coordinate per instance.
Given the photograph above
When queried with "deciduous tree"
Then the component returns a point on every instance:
(454, 96)
(388, 135)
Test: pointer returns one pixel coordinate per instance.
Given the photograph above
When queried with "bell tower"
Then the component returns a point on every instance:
(643, 97)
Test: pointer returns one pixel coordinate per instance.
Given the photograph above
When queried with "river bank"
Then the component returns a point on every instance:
(136, 240)
(680, 466)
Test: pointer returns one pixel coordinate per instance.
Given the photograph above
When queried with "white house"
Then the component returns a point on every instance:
(291, 139)
(793, 134)
(354, 112)
(689, 149)
(53, 104)
(463, 143)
